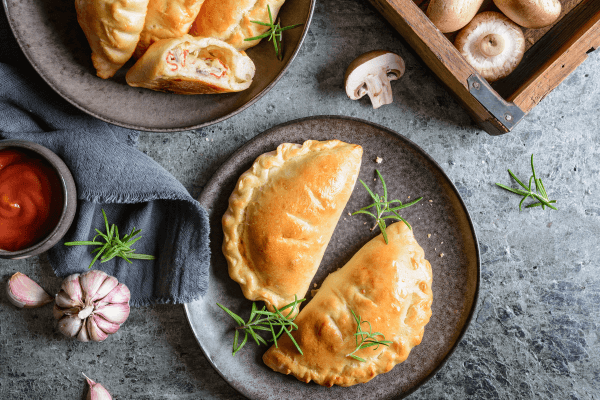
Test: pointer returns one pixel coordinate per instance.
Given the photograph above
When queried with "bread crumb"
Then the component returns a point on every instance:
(441, 254)
(314, 285)
(313, 292)
(379, 160)
(431, 201)
(409, 197)
(349, 213)
(442, 243)
(429, 235)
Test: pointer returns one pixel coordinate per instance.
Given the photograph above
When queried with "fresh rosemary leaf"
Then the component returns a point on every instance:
(539, 194)
(264, 320)
(274, 33)
(366, 339)
(383, 206)
(114, 247)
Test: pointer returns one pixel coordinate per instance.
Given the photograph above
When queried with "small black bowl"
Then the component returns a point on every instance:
(69, 198)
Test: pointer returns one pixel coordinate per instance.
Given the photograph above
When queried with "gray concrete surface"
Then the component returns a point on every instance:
(535, 330)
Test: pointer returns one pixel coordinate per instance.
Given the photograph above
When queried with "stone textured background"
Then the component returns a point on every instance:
(535, 333)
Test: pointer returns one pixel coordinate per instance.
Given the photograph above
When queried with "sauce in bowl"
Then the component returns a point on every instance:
(31, 199)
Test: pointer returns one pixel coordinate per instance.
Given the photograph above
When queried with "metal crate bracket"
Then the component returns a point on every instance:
(508, 114)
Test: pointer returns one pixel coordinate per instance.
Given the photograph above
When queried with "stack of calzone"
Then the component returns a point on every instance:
(156, 33)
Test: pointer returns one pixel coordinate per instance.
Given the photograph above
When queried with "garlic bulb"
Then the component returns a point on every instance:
(23, 292)
(97, 391)
(91, 306)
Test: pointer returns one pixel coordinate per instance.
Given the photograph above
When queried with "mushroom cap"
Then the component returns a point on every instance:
(452, 15)
(371, 63)
(531, 13)
(469, 44)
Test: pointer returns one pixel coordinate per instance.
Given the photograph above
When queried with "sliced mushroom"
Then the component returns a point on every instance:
(371, 74)
(531, 13)
(452, 15)
(492, 44)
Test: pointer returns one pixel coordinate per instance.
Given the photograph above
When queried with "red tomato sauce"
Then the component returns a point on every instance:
(31, 199)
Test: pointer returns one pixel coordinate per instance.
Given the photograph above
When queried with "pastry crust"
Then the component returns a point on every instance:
(167, 19)
(112, 28)
(282, 214)
(387, 285)
(231, 20)
(189, 65)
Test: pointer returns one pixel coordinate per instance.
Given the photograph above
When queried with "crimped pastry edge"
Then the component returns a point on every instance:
(234, 217)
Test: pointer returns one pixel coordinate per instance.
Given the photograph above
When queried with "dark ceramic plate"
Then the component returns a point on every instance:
(48, 33)
(408, 171)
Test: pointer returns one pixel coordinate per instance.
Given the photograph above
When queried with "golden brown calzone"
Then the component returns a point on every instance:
(167, 19)
(189, 65)
(230, 20)
(282, 214)
(112, 28)
(386, 285)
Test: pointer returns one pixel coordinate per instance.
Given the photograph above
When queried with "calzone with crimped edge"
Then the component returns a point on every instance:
(189, 65)
(386, 285)
(231, 20)
(282, 214)
(167, 19)
(112, 28)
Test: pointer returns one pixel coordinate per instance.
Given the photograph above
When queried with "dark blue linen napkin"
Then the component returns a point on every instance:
(110, 174)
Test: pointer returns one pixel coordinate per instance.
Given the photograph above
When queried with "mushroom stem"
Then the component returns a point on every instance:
(491, 45)
(379, 89)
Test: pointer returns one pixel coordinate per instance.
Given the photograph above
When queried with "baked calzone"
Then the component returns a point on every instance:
(112, 28)
(282, 214)
(386, 285)
(189, 65)
(231, 20)
(167, 19)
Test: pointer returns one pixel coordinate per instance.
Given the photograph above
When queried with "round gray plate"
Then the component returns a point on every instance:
(408, 171)
(48, 33)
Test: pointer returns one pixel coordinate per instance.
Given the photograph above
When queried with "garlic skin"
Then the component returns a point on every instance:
(91, 306)
(97, 391)
(23, 292)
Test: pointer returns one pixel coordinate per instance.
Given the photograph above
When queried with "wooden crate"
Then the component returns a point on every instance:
(552, 54)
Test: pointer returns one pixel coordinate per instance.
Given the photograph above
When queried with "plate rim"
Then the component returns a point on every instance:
(253, 100)
(434, 163)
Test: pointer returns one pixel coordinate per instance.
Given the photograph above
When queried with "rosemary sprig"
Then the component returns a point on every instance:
(382, 206)
(274, 33)
(263, 320)
(540, 191)
(114, 246)
(367, 339)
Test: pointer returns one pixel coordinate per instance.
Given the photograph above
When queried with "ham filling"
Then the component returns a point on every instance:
(200, 62)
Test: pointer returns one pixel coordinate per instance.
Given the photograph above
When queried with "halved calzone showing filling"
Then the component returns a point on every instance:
(112, 28)
(387, 285)
(189, 65)
(167, 19)
(282, 214)
(231, 20)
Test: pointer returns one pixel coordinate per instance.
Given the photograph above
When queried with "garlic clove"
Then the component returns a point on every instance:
(115, 313)
(91, 282)
(59, 312)
(69, 325)
(23, 292)
(83, 336)
(97, 391)
(72, 287)
(120, 294)
(96, 334)
(105, 325)
(64, 301)
(107, 286)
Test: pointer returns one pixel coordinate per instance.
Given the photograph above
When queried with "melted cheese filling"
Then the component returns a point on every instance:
(201, 62)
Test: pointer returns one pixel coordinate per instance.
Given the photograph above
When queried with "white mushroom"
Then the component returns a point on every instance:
(371, 74)
(492, 44)
(452, 15)
(531, 13)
